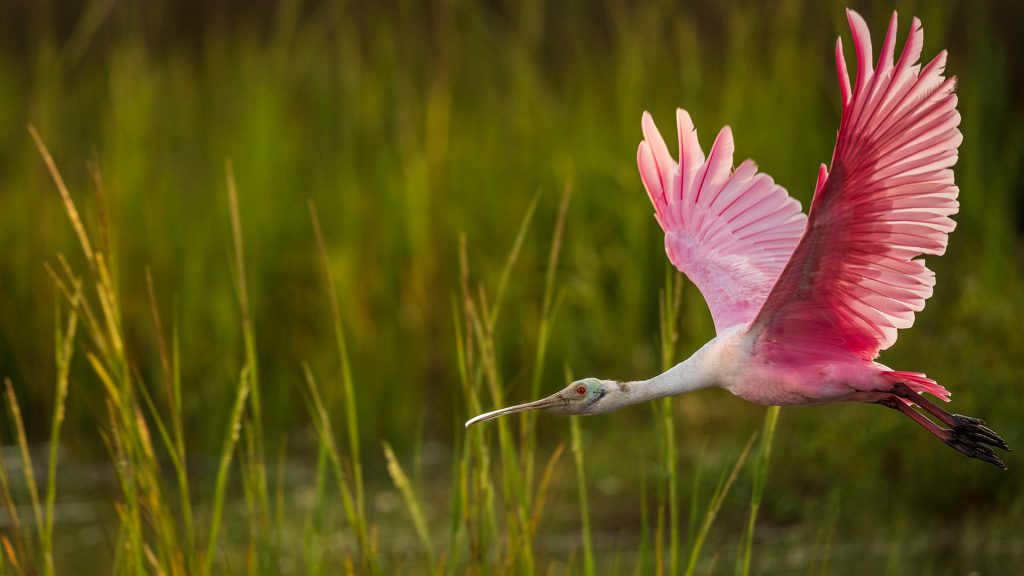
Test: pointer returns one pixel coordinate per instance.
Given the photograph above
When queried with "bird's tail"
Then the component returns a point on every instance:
(918, 382)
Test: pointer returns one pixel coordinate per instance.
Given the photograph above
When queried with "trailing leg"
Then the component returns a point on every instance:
(973, 428)
(967, 435)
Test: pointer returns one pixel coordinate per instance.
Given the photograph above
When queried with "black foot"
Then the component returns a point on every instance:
(971, 437)
(976, 430)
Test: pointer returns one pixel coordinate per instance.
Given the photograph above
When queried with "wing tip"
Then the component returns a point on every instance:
(648, 168)
(862, 47)
(822, 177)
(844, 75)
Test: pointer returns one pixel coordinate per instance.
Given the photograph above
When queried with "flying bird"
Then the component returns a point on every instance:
(803, 305)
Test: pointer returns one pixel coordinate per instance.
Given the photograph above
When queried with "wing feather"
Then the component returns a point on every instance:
(856, 276)
(730, 231)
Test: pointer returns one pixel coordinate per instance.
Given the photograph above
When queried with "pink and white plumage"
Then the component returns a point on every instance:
(730, 232)
(802, 306)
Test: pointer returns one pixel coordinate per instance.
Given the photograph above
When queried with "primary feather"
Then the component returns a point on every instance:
(856, 276)
(730, 232)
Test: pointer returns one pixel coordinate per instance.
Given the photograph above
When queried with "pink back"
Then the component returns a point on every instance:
(856, 276)
(730, 232)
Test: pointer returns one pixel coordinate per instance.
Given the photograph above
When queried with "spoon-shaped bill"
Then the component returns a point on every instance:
(549, 402)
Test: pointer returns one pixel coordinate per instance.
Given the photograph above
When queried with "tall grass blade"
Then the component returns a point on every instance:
(419, 520)
(589, 568)
(543, 486)
(175, 443)
(760, 475)
(22, 543)
(513, 256)
(528, 419)
(11, 556)
(69, 204)
(27, 470)
(325, 435)
(254, 484)
(670, 307)
(581, 485)
(516, 484)
(348, 387)
(224, 467)
(714, 506)
(65, 349)
(16, 549)
(315, 524)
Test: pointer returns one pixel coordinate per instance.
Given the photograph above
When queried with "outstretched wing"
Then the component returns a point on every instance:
(856, 276)
(730, 232)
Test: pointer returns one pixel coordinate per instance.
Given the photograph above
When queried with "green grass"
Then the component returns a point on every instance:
(393, 248)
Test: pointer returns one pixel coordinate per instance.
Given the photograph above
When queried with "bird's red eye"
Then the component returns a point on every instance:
(581, 390)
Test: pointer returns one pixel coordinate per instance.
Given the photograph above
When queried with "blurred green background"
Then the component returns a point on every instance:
(410, 124)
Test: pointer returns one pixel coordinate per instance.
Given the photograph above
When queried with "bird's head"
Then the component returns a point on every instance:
(587, 396)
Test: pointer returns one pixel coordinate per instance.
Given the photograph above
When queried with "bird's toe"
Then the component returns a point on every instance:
(973, 449)
(961, 420)
(974, 430)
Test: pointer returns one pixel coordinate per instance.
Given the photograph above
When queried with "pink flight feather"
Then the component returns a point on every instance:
(731, 232)
(856, 276)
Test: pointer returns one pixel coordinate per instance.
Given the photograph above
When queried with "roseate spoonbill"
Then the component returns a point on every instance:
(802, 305)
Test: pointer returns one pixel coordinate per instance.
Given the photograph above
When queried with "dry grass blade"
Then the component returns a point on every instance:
(69, 204)
(18, 549)
(419, 520)
(236, 237)
(89, 319)
(111, 312)
(26, 458)
(108, 383)
(12, 557)
(105, 243)
(542, 488)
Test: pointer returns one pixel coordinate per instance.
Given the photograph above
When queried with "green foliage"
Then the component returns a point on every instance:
(441, 276)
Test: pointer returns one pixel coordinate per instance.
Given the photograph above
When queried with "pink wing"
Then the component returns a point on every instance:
(856, 277)
(730, 232)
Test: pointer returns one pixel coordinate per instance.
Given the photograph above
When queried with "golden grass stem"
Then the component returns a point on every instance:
(69, 204)
(26, 458)
(419, 520)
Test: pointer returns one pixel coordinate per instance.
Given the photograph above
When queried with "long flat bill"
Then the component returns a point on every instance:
(553, 400)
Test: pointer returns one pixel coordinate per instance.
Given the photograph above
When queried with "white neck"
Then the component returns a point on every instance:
(689, 375)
